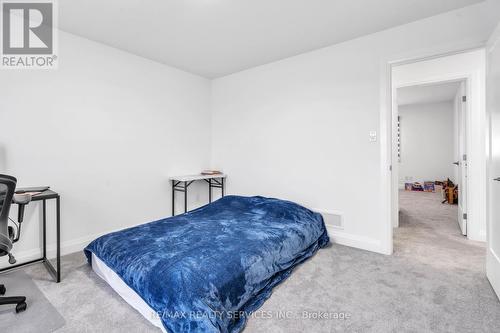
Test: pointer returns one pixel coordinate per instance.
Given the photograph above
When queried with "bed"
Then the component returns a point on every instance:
(209, 269)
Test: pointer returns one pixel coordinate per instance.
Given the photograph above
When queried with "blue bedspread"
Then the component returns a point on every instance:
(207, 270)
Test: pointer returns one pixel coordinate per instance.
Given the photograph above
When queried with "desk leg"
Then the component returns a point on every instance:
(44, 228)
(209, 190)
(222, 186)
(54, 272)
(185, 197)
(58, 254)
(173, 198)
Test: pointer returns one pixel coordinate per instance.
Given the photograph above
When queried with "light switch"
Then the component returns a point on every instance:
(373, 136)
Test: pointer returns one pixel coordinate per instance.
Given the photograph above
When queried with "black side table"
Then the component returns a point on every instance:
(55, 272)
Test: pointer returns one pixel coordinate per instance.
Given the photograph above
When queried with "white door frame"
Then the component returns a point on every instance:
(387, 120)
(461, 157)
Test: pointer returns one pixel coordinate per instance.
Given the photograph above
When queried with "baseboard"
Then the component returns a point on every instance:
(75, 245)
(493, 270)
(67, 247)
(357, 241)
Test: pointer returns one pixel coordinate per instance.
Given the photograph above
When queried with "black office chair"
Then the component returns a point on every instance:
(7, 188)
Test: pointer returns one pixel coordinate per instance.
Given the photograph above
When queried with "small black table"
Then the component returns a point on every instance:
(55, 272)
(181, 184)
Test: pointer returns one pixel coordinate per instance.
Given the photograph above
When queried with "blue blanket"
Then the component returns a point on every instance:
(209, 269)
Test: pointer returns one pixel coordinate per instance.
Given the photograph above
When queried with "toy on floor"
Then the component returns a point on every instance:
(450, 192)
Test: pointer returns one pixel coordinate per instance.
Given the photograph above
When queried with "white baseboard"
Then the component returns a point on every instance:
(493, 270)
(360, 242)
(75, 245)
(67, 247)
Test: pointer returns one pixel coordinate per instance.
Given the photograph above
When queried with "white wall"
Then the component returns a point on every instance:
(105, 130)
(472, 66)
(298, 128)
(427, 152)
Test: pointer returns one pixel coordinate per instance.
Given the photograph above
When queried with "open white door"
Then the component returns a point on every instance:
(493, 81)
(461, 162)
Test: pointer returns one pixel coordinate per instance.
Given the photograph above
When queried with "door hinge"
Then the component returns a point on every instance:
(390, 167)
(464, 98)
(465, 157)
(465, 216)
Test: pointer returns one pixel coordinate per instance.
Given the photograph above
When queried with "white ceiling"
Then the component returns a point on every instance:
(214, 38)
(436, 93)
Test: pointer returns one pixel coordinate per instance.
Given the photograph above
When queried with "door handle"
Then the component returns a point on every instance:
(456, 163)
(497, 179)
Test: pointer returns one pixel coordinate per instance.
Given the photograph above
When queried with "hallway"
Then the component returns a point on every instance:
(429, 233)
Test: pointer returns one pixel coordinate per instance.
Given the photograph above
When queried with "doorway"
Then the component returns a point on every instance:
(438, 140)
(477, 67)
(466, 73)
(432, 164)
(432, 152)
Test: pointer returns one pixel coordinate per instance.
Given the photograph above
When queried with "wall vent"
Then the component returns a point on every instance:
(333, 219)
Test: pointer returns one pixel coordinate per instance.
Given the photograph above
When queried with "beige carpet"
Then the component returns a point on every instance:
(435, 282)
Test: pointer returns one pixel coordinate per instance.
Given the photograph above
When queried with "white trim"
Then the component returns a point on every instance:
(67, 247)
(340, 236)
(476, 187)
(493, 270)
(436, 79)
(386, 119)
(393, 152)
(386, 155)
(360, 242)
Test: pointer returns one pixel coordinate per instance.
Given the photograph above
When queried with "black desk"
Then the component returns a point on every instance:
(55, 272)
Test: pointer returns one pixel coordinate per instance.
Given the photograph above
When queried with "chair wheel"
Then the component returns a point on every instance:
(2, 290)
(21, 307)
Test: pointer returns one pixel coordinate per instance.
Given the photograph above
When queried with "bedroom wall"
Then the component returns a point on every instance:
(296, 129)
(427, 142)
(299, 128)
(106, 130)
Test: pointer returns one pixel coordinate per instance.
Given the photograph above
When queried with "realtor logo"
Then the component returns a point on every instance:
(28, 34)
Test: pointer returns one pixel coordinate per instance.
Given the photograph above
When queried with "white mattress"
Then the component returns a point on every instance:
(127, 293)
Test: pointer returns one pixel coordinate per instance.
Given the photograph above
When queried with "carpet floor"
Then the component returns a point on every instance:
(434, 282)
(42, 315)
